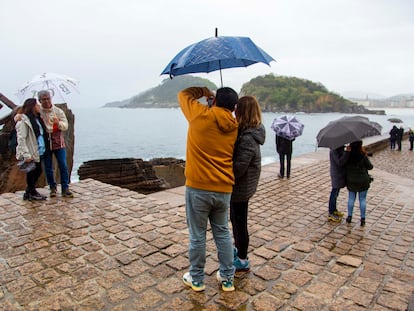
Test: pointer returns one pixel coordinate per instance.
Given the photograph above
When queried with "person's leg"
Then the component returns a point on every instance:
(411, 145)
(197, 205)
(332, 199)
(219, 226)
(63, 169)
(48, 163)
(30, 183)
(238, 217)
(282, 165)
(288, 160)
(37, 172)
(363, 202)
(351, 202)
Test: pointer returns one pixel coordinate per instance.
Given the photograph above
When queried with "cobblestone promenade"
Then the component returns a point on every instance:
(114, 249)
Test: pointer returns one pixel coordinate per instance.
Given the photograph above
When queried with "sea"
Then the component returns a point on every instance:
(147, 133)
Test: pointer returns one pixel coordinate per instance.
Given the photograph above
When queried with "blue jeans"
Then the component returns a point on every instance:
(362, 202)
(202, 206)
(332, 199)
(60, 155)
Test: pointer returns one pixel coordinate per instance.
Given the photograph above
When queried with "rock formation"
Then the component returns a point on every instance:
(136, 174)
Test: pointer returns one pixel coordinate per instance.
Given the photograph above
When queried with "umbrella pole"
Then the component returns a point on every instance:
(221, 77)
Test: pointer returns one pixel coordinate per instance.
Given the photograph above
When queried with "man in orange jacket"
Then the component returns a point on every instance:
(212, 132)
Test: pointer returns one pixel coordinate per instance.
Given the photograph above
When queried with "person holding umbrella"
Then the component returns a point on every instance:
(337, 159)
(358, 179)
(212, 133)
(56, 122)
(246, 166)
(284, 149)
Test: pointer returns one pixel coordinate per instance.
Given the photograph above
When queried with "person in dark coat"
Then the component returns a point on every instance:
(400, 134)
(284, 149)
(393, 137)
(338, 158)
(357, 179)
(411, 138)
(246, 167)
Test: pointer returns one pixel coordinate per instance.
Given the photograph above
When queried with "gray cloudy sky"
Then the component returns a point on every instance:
(117, 49)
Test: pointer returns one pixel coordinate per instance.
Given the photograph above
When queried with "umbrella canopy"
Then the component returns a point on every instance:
(395, 120)
(346, 130)
(288, 127)
(59, 86)
(217, 53)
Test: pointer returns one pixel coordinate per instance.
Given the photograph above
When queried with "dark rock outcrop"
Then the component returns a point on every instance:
(11, 178)
(136, 174)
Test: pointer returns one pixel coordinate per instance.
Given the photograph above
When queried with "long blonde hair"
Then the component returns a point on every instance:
(248, 113)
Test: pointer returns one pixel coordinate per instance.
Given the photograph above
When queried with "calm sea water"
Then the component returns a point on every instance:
(108, 133)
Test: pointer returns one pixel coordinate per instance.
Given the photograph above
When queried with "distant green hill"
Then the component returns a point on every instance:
(163, 95)
(291, 94)
(274, 93)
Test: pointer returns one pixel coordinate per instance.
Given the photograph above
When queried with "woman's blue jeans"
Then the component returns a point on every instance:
(203, 206)
(60, 155)
(362, 202)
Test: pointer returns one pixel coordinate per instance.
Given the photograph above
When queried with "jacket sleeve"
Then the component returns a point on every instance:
(188, 99)
(244, 154)
(341, 158)
(22, 151)
(63, 121)
(368, 163)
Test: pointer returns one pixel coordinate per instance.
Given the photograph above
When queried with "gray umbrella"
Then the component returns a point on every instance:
(346, 130)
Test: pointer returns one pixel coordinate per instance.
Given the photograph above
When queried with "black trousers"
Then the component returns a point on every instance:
(238, 217)
(282, 164)
(31, 179)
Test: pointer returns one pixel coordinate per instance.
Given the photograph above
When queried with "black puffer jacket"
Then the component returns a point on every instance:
(247, 162)
(357, 177)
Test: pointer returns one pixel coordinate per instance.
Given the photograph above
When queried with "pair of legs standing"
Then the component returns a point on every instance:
(31, 179)
(202, 207)
(362, 195)
(60, 155)
(238, 217)
(282, 157)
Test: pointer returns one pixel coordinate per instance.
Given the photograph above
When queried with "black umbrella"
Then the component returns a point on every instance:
(395, 120)
(346, 130)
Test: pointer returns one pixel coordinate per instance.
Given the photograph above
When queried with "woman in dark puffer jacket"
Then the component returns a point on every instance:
(357, 179)
(246, 166)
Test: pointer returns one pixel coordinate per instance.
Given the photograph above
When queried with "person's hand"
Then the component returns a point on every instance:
(55, 120)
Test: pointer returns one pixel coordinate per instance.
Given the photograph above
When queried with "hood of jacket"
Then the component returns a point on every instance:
(224, 119)
(258, 134)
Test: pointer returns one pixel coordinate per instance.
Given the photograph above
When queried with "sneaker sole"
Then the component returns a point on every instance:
(334, 220)
(243, 269)
(196, 289)
(225, 289)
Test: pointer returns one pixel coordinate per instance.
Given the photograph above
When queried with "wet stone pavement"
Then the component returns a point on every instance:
(113, 249)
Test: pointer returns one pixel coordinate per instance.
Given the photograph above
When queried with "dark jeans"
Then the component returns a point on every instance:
(238, 217)
(60, 155)
(282, 164)
(31, 179)
(332, 199)
(411, 144)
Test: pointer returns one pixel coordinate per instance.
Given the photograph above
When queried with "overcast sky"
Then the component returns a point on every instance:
(117, 49)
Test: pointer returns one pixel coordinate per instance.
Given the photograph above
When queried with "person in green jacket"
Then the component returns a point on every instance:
(358, 179)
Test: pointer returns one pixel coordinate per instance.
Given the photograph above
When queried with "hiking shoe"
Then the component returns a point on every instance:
(362, 222)
(338, 213)
(26, 196)
(195, 286)
(349, 219)
(67, 193)
(52, 193)
(241, 264)
(226, 284)
(36, 197)
(279, 176)
(334, 218)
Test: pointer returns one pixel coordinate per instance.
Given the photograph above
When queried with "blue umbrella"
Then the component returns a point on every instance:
(217, 53)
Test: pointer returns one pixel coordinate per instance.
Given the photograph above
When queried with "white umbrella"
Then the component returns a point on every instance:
(288, 127)
(61, 87)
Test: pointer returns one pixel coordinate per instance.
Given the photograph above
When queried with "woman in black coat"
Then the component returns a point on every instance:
(246, 166)
(357, 179)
